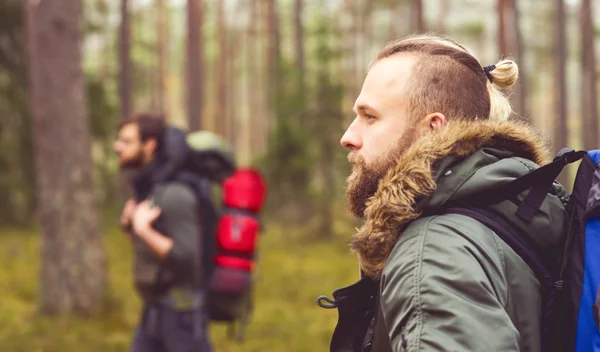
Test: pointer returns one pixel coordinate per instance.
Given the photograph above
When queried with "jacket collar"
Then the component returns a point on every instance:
(396, 202)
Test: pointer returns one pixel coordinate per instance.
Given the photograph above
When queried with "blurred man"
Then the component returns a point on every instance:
(432, 130)
(163, 223)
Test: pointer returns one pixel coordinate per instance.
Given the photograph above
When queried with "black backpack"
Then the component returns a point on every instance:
(569, 274)
(203, 161)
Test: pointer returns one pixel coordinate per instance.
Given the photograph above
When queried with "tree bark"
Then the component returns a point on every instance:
(221, 112)
(418, 23)
(162, 37)
(502, 40)
(125, 82)
(255, 86)
(299, 43)
(125, 60)
(589, 103)
(194, 72)
(73, 267)
(510, 45)
(273, 49)
(234, 108)
(441, 20)
(560, 90)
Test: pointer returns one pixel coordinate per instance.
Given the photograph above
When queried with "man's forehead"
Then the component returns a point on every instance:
(392, 72)
(130, 129)
(387, 79)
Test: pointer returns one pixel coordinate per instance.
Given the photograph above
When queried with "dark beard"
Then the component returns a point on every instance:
(364, 180)
(135, 163)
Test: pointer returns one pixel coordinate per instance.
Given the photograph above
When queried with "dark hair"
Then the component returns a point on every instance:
(150, 126)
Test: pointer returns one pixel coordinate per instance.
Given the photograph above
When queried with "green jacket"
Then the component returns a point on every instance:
(447, 282)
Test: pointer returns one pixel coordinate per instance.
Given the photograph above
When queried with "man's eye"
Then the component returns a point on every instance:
(369, 117)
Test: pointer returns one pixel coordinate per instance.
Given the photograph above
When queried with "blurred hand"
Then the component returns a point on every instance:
(143, 217)
(127, 214)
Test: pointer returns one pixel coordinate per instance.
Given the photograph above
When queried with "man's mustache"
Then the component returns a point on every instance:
(355, 158)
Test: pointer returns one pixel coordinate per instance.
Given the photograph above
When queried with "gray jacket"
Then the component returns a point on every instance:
(179, 220)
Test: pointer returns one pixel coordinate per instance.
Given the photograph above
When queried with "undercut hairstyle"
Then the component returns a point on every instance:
(450, 80)
(151, 126)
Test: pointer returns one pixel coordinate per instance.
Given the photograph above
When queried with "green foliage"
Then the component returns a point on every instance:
(17, 181)
(301, 162)
(291, 274)
(102, 111)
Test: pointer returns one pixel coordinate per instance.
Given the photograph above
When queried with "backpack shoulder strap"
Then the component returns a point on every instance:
(207, 218)
(525, 249)
(538, 181)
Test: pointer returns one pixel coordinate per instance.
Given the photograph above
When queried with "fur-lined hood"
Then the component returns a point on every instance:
(412, 186)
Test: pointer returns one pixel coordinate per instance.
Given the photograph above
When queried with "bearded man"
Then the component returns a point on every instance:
(432, 129)
(163, 221)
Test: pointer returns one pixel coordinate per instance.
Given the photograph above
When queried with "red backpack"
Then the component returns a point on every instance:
(229, 232)
(235, 248)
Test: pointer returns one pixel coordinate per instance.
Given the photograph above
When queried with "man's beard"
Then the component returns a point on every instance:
(135, 163)
(364, 180)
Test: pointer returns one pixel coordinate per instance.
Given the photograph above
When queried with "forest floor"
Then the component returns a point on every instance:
(293, 271)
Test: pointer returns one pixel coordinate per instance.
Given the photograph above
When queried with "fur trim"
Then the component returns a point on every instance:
(393, 205)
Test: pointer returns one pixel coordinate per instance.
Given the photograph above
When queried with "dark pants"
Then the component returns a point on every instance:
(162, 329)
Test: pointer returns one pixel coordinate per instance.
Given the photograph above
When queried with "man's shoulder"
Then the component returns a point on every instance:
(175, 194)
(458, 233)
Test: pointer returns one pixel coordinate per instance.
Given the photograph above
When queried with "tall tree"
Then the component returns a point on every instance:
(258, 115)
(73, 274)
(589, 96)
(418, 23)
(234, 110)
(299, 42)
(510, 45)
(273, 47)
(444, 8)
(222, 63)
(560, 89)
(125, 60)
(162, 37)
(195, 62)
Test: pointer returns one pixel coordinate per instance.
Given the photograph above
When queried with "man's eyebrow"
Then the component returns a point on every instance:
(363, 107)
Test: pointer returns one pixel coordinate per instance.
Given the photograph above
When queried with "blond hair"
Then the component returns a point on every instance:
(450, 80)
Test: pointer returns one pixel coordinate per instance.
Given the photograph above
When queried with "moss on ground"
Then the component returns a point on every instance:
(293, 271)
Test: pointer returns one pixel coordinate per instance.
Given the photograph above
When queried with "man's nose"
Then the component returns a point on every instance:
(351, 139)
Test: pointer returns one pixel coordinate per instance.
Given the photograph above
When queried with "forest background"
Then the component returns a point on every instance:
(277, 79)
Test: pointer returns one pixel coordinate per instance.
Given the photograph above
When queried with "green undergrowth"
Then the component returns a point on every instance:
(295, 267)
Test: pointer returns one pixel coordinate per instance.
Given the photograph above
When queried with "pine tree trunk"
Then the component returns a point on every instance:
(444, 7)
(125, 82)
(255, 86)
(510, 45)
(194, 72)
(589, 97)
(162, 37)
(560, 90)
(73, 267)
(221, 81)
(418, 22)
(124, 60)
(273, 50)
(299, 43)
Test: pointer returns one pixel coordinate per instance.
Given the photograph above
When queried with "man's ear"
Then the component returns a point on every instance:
(435, 121)
(150, 146)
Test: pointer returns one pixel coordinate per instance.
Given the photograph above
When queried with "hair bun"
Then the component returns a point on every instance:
(505, 74)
